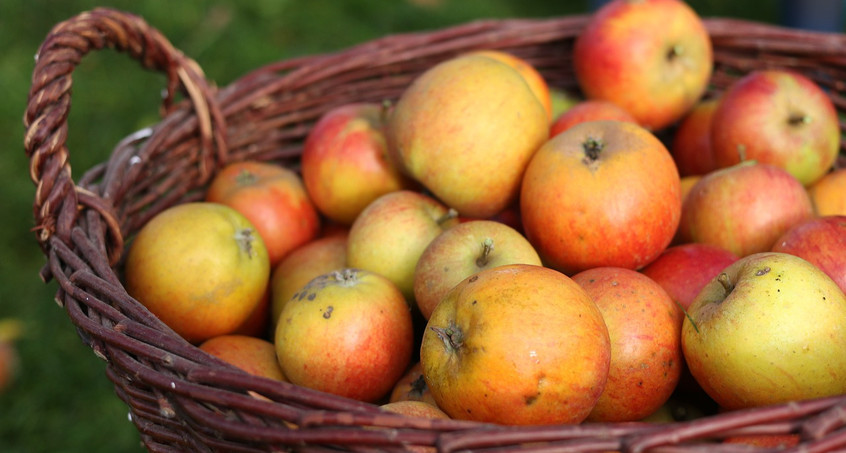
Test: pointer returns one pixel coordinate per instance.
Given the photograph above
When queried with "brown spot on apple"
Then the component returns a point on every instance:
(762, 271)
(328, 313)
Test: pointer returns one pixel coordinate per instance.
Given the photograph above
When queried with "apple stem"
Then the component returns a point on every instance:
(386, 108)
(346, 276)
(487, 248)
(451, 336)
(244, 238)
(245, 178)
(674, 52)
(723, 278)
(450, 214)
(592, 147)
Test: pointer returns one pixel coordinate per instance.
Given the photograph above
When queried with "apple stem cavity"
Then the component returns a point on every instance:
(452, 337)
(487, 248)
(674, 52)
(797, 119)
(244, 237)
(592, 147)
(346, 277)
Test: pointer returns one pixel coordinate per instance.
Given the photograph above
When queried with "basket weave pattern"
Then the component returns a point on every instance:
(182, 399)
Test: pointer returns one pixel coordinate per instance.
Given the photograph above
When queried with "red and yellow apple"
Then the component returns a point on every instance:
(602, 193)
(829, 193)
(820, 241)
(644, 325)
(273, 199)
(691, 143)
(777, 117)
(392, 232)
(345, 163)
(589, 110)
(653, 58)
(466, 129)
(516, 344)
(348, 332)
(743, 208)
(256, 356)
(462, 251)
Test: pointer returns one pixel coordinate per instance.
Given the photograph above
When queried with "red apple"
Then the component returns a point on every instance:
(345, 162)
(589, 110)
(602, 193)
(822, 242)
(743, 208)
(683, 270)
(644, 325)
(691, 145)
(392, 232)
(777, 117)
(462, 251)
(653, 58)
(348, 333)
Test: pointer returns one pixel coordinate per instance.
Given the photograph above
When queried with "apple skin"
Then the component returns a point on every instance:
(822, 242)
(777, 117)
(315, 258)
(767, 330)
(348, 332)
(743, 208)
(691, 143)
(684, 269)
(589, 110)
(829, 193)
(531, 75)
(392, 232)
(653, 58)
(453, 118)
(516, 344)
(462, 251)
(644, 325)
(345, 163)
(602, 193)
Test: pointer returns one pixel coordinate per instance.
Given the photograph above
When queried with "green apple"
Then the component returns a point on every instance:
(769, 329)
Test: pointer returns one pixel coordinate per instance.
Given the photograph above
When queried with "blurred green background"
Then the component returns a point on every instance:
(61, 400)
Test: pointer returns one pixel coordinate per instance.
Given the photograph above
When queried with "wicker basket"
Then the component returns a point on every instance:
(182, 399)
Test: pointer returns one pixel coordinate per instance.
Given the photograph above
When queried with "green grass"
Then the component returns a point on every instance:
(61, 400)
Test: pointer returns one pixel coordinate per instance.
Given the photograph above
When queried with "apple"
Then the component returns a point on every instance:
(777, 117)
(533, 78)
(200, 267)
(562, 100)
(317, 257)
(392, 232)
(345, 163)
(466, 129)
(462, 251)
(767, 330)
(602, 193)
(413, 408)
(684, 269)
(348, 333)
(829, 193)
(589, 110)
(256, 356)
(273, 199)
(743, 208)
(516, 344)
(822, 242)
(644, 325)
(412, 387)
(691, 142)
(653, 58)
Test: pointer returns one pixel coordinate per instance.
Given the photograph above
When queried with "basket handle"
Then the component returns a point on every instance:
(57, 198)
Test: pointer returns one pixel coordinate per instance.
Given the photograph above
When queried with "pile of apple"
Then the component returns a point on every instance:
(476, 249)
